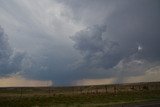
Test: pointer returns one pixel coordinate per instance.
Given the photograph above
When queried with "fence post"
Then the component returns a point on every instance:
(21, 92)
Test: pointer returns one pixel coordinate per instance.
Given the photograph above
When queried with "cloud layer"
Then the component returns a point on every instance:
(78, 41)
(127, 47)
(10, 61)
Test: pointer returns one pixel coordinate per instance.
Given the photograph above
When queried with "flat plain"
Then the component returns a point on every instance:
(115, 95)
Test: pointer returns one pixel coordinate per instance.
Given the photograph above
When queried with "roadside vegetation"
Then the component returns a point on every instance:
(13, 98)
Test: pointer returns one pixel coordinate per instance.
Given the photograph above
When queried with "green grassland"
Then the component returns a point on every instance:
(45, 97)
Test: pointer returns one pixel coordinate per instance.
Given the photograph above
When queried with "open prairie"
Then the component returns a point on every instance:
(117, 95)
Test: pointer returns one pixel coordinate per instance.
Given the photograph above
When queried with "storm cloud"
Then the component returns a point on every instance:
(68, 41)
(10, 61)
(128, 46)
(98, 51)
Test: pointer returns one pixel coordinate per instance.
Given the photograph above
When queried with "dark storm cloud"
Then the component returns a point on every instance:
(113, 38)
(97, 50)
(129, 44)
(121, 40)
(10, 61)
(138, 23)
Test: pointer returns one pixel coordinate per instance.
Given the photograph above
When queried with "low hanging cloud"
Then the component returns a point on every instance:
(99, 53)
(110, 39)
(103, 58)
(116, 57)
(97, 50)
(10, 61)
(129, 45)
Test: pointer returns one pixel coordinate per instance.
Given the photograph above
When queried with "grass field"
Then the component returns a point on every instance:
(34, 97)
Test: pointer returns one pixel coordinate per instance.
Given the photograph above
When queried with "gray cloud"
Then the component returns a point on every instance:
(10, 61)
(113, 38)
(42, 29)
(128, 47)
(98, 51)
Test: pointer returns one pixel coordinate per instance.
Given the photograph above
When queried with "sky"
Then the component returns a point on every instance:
(79, 42)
